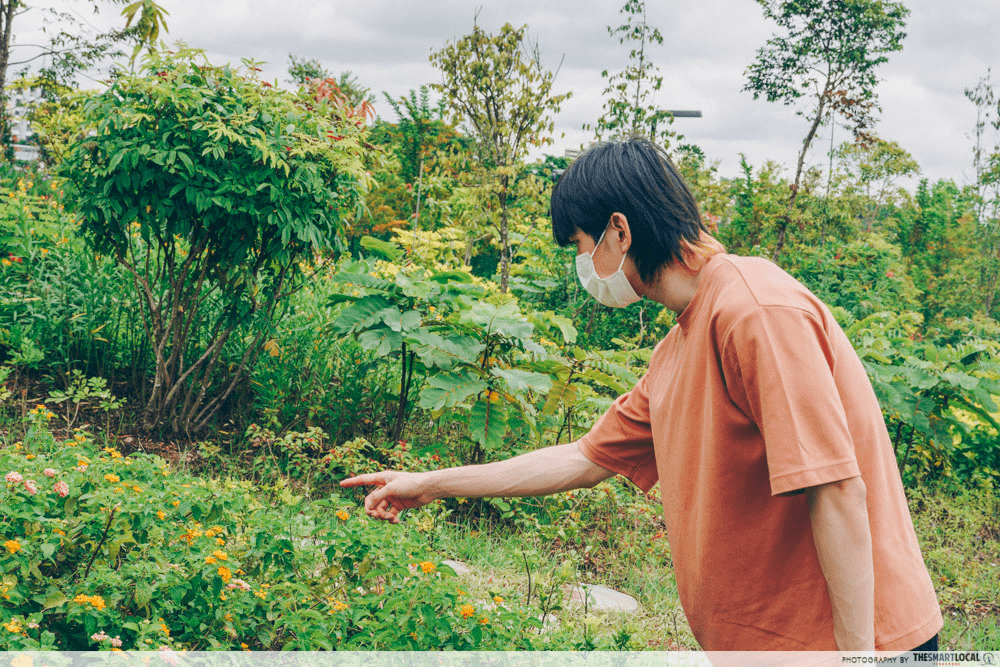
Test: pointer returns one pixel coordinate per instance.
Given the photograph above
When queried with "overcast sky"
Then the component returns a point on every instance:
(707, 46)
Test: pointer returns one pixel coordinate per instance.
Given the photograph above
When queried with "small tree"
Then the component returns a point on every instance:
(986, 163)
(214, 190)
(827, 55)
(420, 130)
(70, 51)
(877, 165)
(628, 107)
(302, 71)
(498, 83)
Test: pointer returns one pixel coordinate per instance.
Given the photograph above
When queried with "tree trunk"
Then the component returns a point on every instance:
(786, 219)
(7, 8)
(504, 236)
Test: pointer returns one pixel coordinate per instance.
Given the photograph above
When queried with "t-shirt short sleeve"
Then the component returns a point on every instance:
(779, 365)
(622, 440)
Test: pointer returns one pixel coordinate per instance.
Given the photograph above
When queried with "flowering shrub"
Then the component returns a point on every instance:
(102, 551)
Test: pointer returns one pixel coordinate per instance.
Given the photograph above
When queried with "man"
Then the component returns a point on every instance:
(788, 525)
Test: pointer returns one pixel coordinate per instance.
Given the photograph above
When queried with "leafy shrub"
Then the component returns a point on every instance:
(864, 276)
(211, 188)
(932, 395)
(469, 354)
(328, 381)
(60, 307)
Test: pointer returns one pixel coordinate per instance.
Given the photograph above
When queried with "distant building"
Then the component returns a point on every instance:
(19, 103)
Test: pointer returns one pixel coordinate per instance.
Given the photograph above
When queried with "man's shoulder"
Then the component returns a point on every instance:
(755, 282)
(743, 286)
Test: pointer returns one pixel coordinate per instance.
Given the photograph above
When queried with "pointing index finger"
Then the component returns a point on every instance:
(368, 479)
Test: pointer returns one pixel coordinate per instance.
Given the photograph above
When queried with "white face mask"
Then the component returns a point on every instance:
(614, 291)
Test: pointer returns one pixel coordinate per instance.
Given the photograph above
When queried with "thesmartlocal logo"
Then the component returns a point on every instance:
(953, 658)
(938, 658)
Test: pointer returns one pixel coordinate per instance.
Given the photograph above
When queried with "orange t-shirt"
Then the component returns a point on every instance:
(757, 392)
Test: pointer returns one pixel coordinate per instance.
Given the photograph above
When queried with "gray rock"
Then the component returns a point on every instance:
(459, 567)
(601, 598)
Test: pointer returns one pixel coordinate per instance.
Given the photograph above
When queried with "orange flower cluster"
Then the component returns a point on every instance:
(96, 601)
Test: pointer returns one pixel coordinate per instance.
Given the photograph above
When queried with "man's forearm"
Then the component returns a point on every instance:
(536, 473)
(839, 518)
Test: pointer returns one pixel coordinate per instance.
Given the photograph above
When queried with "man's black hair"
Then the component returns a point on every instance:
(634, 177)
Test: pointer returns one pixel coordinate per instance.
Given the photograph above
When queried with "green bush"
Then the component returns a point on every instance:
(214, 191)
(865, 276)
(308, 377)
(61, 307)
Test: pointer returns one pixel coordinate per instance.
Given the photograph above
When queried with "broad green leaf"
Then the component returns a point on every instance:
(562, 393)
(520, 381)
(605, 380)
(434, 350)
(361, 315)
(446, 390)
(390, 316)
(451, 277)
(961, 380)
(381, 341)
(383, 249)
(918, 378)
(488, 423)
(334, 299)
(423, 290)
(55, 599)
(553, 366)
(504, 320)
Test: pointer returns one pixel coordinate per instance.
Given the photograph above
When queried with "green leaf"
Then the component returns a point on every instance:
(383, 249)
(445, 277)
(520, 381)
(562, 393)
(504, 320)
(381, 341)
(361, 315)
(918, 378)
(334, 299)
(488, 423)
(605, 380)
(961, 380)
(400, 322)
(456, 348)
(55, 599)
(447, 390)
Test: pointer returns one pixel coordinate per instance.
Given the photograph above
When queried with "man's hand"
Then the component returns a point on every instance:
(396, 491)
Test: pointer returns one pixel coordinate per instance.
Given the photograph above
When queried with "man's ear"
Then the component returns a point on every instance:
(619, 231)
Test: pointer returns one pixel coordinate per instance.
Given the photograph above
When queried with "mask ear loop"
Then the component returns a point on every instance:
(599, 239)
(606, 228)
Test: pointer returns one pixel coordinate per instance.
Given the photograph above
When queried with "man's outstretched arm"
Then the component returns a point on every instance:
(537, 473)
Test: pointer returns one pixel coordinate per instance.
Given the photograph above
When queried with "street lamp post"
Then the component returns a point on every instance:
(572, 153)
(679, 113)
